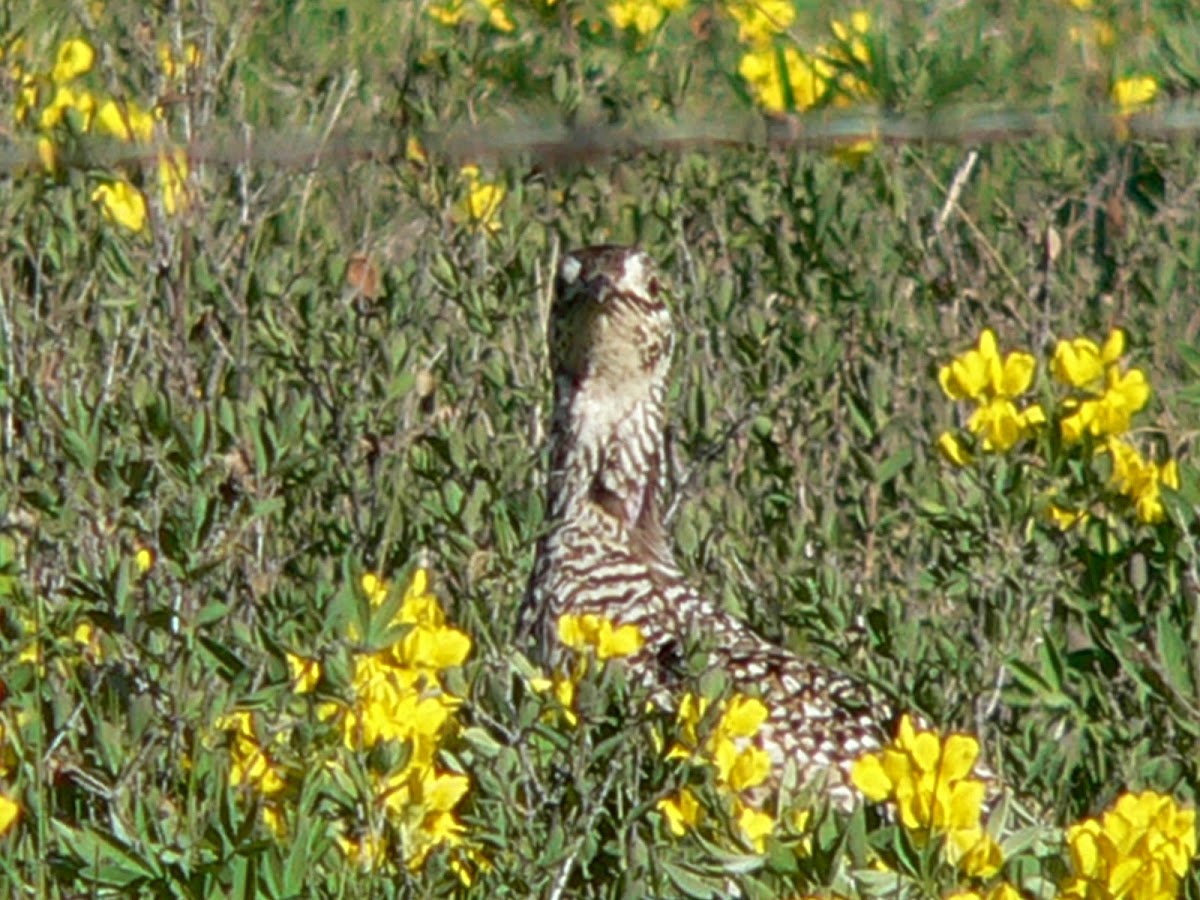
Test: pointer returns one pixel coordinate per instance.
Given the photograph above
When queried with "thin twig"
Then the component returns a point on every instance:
(340, 104)
(956, 186)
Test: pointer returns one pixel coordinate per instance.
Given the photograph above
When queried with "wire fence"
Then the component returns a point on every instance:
(539, 144)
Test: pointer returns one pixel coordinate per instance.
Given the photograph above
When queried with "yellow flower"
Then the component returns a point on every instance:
(273, 818)
(1140, 848)
(47, 153)
(974, 851)
(850, 34)
(743, 717)
(126, 121)
(122, 203)
(967, 376)
(1065, 519)
(682, 811)
(8, 758)
(391, 704)
(1080, 363)
(420, 605)
(85, 636)
(420, 801)
(249, 762)
(27, 98)
(1141, 480)
(564, 692)
(449, 13)
(173, 67)
(981, 373)
(396, 692)
(1124, 394)
(771, 75)
(1002, 891)
(172, 180)
(993, 381)
(691, 710)
(465, 862)
(480, 208)
(741, 765)
(305, 673)
(32, 654)
(742, 769)
(66, 99)
(929, 782)
(755, 825)
(563, 689)
(644, 16)
(1130, 93)
(10, 811)
(1077, 363)
(953, 450)
(498, 16)
(999, 422)
(376, 588)
(591, 632)
(423, 788)
(433, 647)
(143, 560)
(759, 21)
(75, 58)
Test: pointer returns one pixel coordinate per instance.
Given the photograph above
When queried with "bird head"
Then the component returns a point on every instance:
(610, 327)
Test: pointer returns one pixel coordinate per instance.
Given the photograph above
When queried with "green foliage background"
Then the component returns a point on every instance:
(218, 391)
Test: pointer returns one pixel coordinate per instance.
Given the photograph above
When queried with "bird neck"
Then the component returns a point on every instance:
(607, 456)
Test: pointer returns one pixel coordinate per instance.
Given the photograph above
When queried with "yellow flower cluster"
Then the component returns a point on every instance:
(10, 810)
(255, 768)
(761, 21)
(1130, 93)
(590, 632)
(1002, 891)
(741, 765)
(396, 699)
(55, 104)
(1138, 850)
(781, 77)
(643, 16)
(589, 635)
(1103, 401)
(455, 11)
(1141, 480)
(929, 781)
(1097, 411)
(397, 696)
(1107, 397)
(250, 763)
(993, 382)
(785, 79)
(480, 206)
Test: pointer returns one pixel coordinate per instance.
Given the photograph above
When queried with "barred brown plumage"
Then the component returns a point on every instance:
(606, 552)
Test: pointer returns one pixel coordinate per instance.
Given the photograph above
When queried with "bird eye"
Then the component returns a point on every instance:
(568, 271)
(653, 287)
